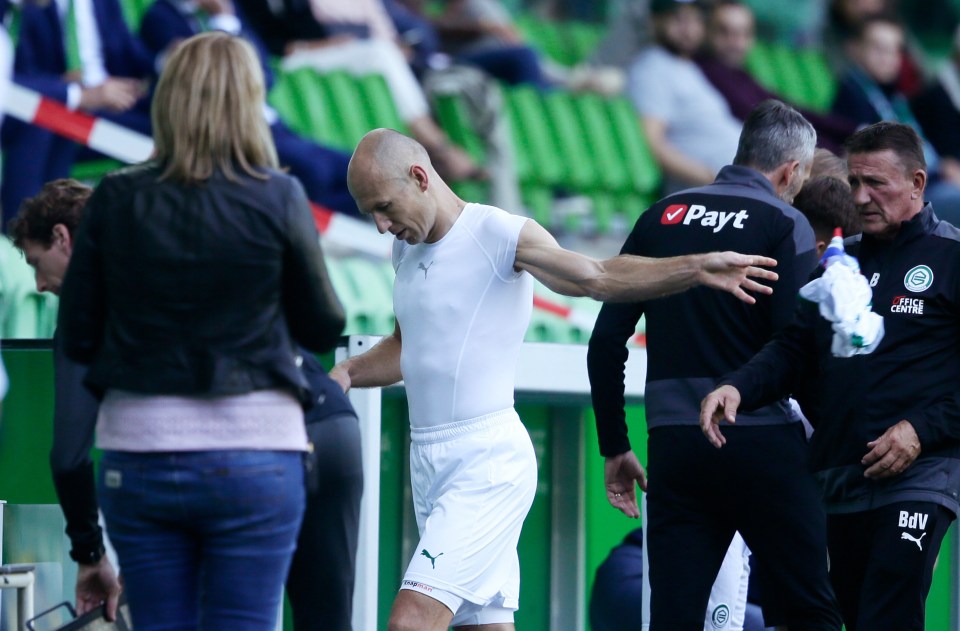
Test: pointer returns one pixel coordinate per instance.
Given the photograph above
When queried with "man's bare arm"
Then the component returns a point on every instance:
(378, 367)
(627, 278)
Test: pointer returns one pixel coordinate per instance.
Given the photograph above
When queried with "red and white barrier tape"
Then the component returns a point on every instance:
(128, 146)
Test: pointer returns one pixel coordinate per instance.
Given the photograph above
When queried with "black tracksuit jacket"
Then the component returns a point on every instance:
(913, 374)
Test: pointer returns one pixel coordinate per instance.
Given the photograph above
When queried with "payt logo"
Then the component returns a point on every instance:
(681, 213)
(673, 214)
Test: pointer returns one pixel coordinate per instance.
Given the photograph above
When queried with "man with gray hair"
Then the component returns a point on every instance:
(699, 497)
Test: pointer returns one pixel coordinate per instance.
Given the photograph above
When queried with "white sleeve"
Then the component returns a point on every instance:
(498, 236)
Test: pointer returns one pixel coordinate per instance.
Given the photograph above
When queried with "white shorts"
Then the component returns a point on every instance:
(473, 484)
(727, 607)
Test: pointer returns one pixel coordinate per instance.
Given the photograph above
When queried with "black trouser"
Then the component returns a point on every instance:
(881, 563)
(759, 484)
(320, 583)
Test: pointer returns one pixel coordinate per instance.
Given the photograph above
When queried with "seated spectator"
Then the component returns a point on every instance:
(474, 32)
(82, 54)
(290, 29)
(323, 171)
(938, 107)
(691, 130)
(730, 37)
(846, 17)
(868, 94)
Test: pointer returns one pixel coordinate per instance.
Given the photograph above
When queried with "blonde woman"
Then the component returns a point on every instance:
(193, 278)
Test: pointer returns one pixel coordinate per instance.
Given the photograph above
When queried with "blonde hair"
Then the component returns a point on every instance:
(207, 111)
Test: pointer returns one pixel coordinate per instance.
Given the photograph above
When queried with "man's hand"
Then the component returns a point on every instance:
(721, 404)
(97, 584)
(735, 272)
(893, 452)
(113, 95)
(621, 475)
(340, 374)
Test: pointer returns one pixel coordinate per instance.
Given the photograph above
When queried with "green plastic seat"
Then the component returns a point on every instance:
(579, 172)
(453, 117)
(599, 137)
(344, 99)
(760, 65)
(378, 103)
(644, 172)
(819, 77)
(532, 137)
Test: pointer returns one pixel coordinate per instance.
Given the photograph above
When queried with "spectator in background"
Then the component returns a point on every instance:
(191, 280)
(292, 30)
(322, 170)
(844, 20)
(938, 111)
(475, 32)
(689, 125)
(83, 55)
(730, 37)
(868, 94)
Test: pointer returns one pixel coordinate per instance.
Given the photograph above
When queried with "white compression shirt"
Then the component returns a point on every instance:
(463, 311)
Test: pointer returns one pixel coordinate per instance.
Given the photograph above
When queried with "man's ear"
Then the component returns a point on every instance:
(61, 237)
(421, 176)
(821, 247)
(784, 175)
(919, 183)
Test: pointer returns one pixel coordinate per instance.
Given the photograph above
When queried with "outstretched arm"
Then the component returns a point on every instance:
(378, 367)
(628, 278)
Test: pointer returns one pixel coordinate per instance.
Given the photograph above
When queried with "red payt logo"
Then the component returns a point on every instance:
(673, 214)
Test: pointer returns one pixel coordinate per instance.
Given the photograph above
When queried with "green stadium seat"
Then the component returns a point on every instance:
(532, 138)
(453, 117)
(302, 102)
(761, 66)
(579, 172)
(791, 81)
(378, 102)
(344, 99)
(599, 136)
(643, 169)
(819, 78)
(372, 293)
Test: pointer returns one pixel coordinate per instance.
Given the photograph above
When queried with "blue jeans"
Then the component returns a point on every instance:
(204, 539)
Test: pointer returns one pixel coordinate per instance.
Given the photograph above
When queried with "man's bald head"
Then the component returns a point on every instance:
(383, 155)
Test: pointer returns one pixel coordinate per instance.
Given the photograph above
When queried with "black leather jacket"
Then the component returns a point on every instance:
(203, 289)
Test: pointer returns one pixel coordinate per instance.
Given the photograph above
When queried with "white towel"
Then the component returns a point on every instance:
(845, 298)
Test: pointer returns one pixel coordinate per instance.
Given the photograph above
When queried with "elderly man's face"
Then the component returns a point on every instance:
(884, 192)
(731, 34)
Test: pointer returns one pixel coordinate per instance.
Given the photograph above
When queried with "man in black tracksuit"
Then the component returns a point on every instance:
(699, 497)
(886, 449)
